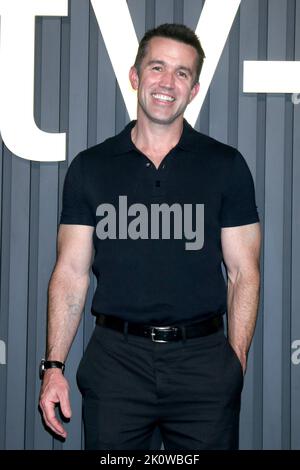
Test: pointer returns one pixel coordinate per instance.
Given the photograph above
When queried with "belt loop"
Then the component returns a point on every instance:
(126, 331)
(183, 333)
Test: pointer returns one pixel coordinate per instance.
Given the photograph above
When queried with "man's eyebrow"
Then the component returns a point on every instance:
(152, 62)
(162, 62)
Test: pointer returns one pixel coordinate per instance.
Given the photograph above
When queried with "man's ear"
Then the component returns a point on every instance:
(194, 91)
(133, 77)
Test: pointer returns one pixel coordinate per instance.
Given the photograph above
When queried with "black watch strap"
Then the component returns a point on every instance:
(44, 365)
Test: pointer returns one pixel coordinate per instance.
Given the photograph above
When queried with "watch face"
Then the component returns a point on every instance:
(42, 369)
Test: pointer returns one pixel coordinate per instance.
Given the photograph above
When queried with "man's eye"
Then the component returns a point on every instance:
(182, 74)
(156, 67)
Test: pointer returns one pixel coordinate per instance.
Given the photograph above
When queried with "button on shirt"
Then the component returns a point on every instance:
(157, 234)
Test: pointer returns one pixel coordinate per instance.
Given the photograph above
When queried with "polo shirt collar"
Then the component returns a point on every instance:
(123, 143)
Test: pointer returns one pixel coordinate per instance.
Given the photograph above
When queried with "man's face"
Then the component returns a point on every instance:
(165, 82)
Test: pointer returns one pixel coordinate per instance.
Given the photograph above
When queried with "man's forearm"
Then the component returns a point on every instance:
(243, 298)
(66, 297)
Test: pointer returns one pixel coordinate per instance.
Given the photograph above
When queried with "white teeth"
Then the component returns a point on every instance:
(163, 97)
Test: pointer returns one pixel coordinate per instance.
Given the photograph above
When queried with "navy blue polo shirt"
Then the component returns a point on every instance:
(157, 234)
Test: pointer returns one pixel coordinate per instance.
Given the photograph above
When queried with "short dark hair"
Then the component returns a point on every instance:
(178, 32)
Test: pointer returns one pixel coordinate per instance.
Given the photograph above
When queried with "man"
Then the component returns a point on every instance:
(163, 205)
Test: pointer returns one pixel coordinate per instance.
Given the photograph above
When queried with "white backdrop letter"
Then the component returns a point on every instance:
(17, 126)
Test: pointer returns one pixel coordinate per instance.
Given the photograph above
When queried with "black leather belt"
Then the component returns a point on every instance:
(163, 334)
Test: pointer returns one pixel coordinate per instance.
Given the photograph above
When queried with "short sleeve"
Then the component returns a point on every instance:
(75, 206)
(238, 204)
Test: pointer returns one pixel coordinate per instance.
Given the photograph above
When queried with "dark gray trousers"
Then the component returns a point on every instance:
(191, 389)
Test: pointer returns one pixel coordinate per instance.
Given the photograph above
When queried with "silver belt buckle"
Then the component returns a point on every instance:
(161, 328)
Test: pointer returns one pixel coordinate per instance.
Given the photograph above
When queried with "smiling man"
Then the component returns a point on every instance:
(166, 82)
(158, 355)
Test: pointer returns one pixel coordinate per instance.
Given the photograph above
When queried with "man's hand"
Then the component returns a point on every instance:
(241, 357)
(244, 365)
(55, 389)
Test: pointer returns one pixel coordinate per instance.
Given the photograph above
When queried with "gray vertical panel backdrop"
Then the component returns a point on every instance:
(76, 92)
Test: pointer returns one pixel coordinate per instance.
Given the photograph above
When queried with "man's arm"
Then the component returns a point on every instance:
(241, 251)
(66, 297)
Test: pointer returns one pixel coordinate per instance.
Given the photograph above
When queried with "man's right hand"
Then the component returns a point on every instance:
(55, 389)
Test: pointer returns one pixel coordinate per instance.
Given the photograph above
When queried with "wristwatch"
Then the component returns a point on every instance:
(44, 365)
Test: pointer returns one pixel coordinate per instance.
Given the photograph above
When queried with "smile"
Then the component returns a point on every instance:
(161, 97)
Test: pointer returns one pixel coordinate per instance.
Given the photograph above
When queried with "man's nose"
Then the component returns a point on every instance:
(167, 80)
